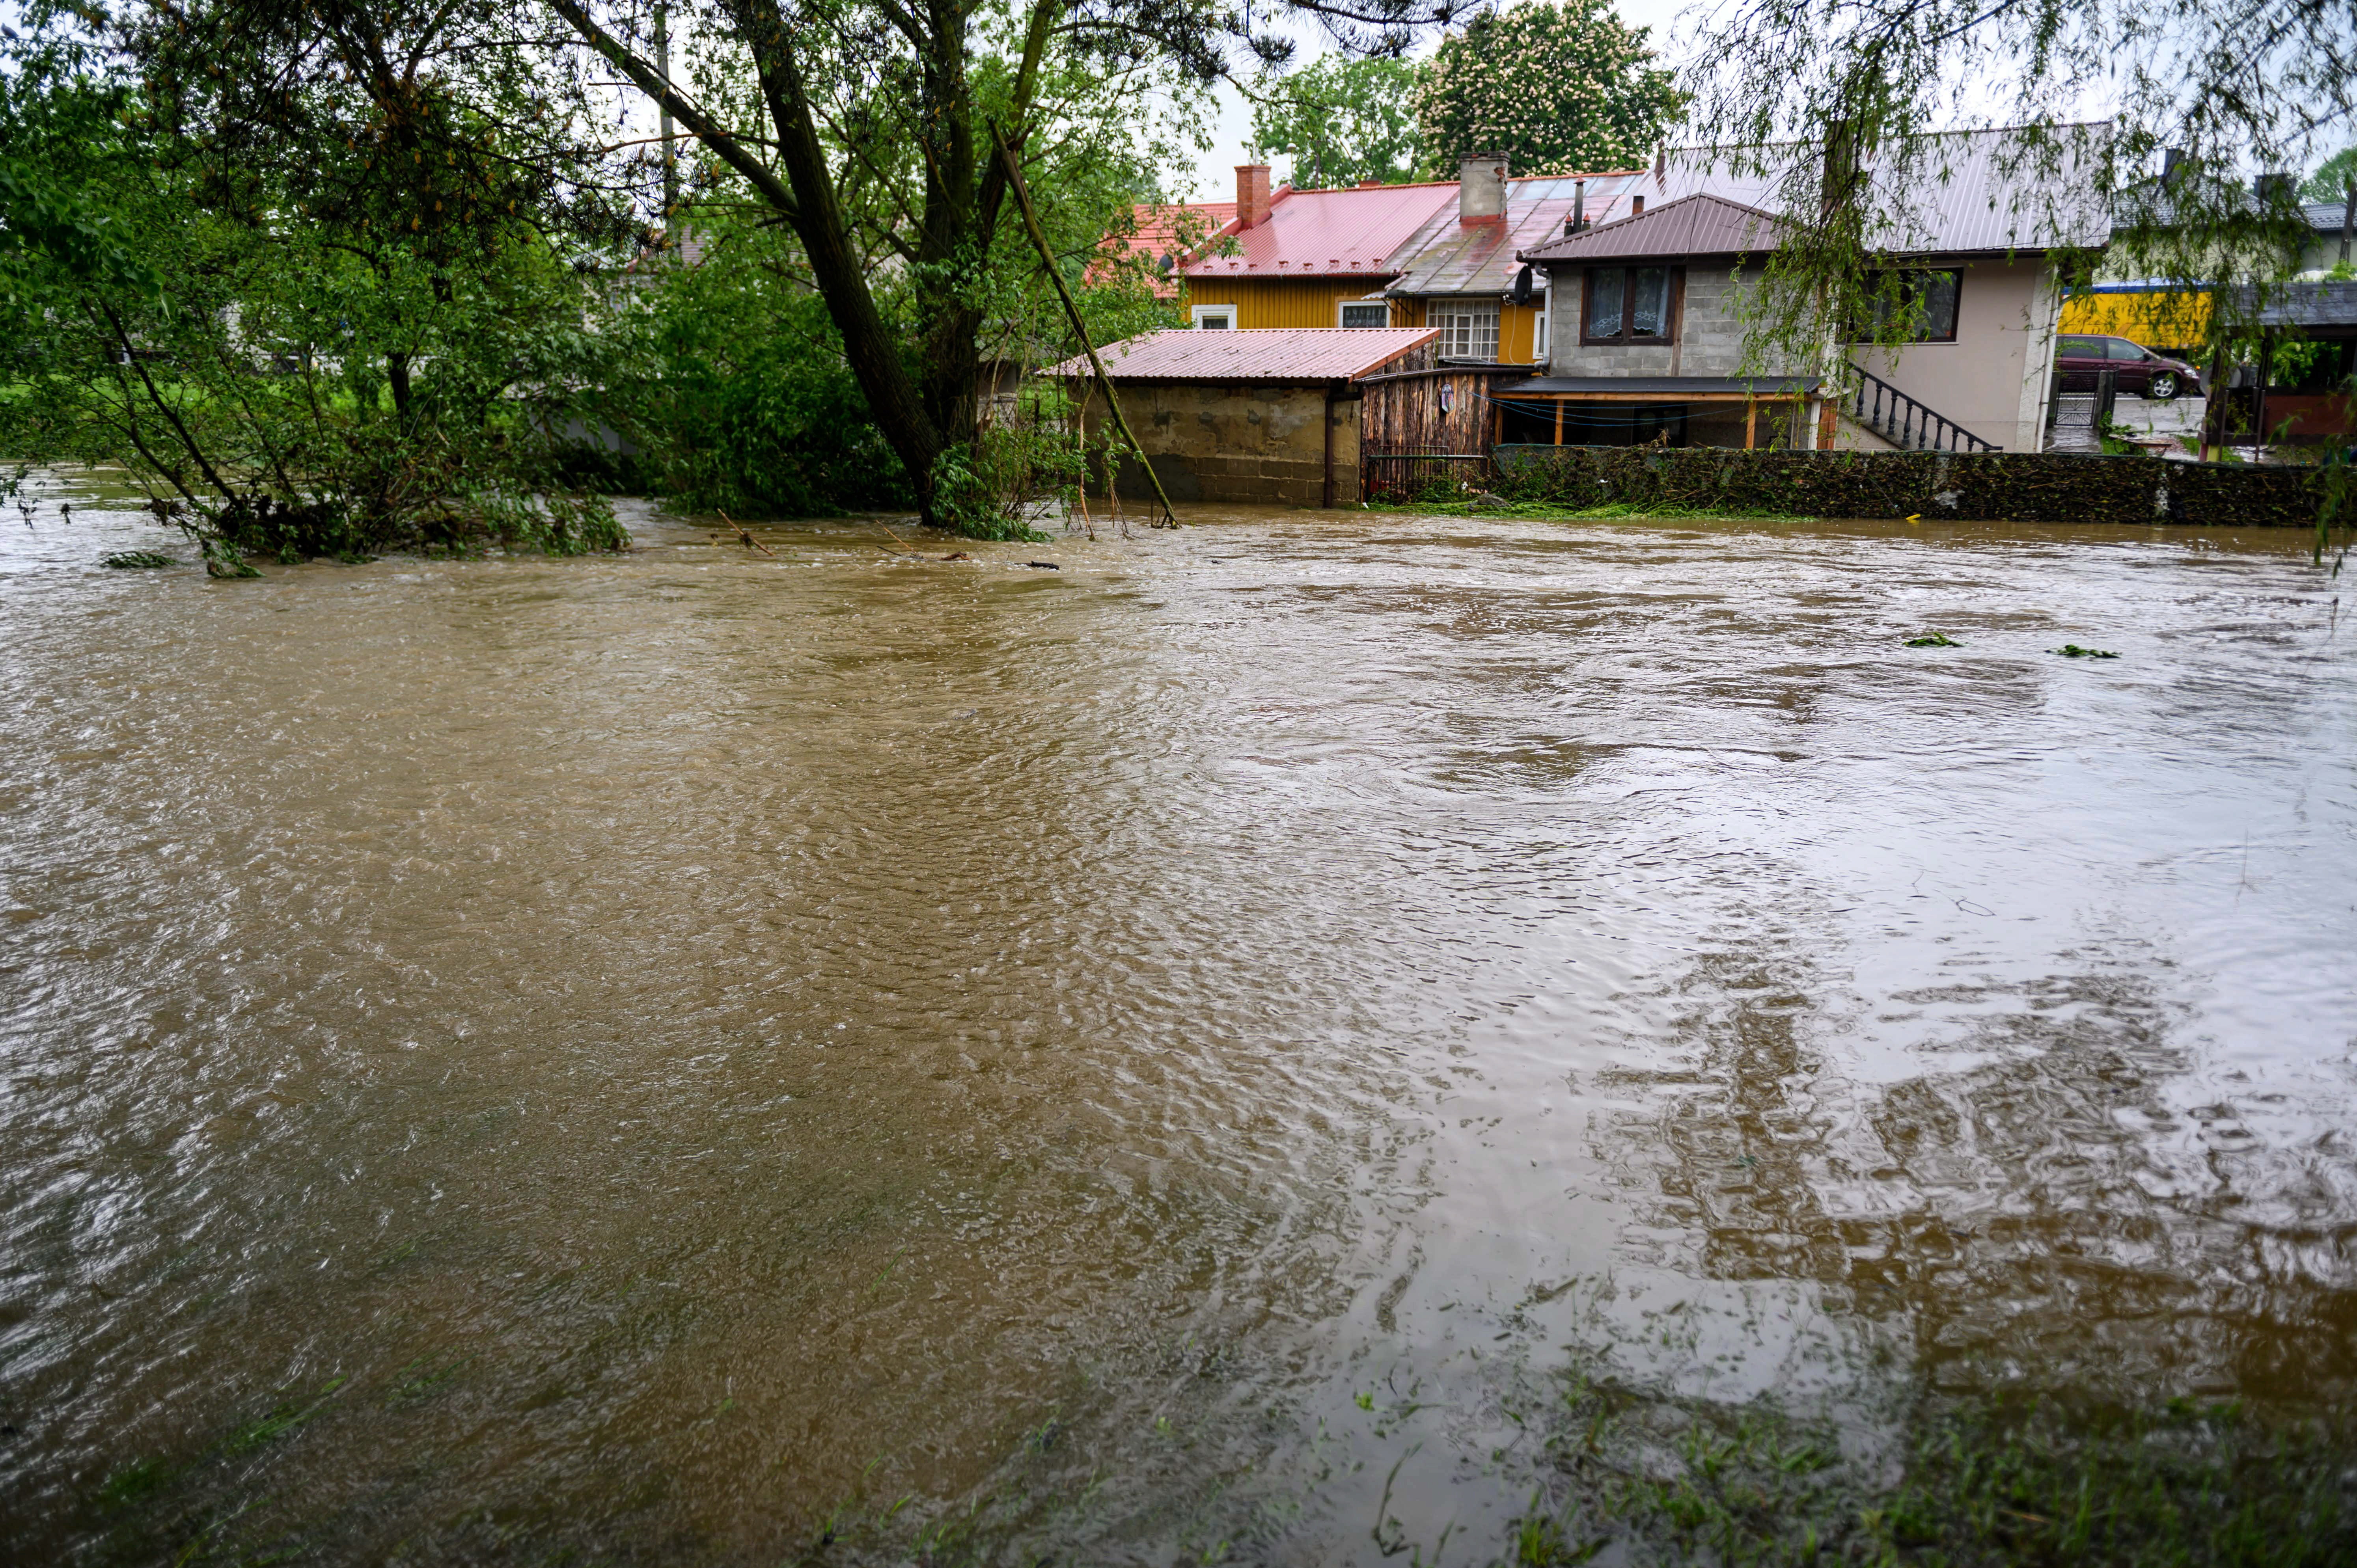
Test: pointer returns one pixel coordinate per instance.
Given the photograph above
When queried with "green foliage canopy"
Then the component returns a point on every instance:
(1341, 121)
(2332, 178)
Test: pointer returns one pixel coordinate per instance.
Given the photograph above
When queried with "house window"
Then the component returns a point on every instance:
(1365, 313)
(1539, 335)
(1215, 318)
(1627, 305)
(1468, 328)
(1924, 301)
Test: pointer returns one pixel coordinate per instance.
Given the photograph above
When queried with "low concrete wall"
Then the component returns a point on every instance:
(1248, 441)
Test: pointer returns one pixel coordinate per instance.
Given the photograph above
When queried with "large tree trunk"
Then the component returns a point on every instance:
(903, 416)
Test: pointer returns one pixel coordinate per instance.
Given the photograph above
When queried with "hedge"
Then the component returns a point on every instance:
(1995, 487)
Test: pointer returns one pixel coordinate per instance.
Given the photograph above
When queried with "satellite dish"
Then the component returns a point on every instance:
(1522, 287)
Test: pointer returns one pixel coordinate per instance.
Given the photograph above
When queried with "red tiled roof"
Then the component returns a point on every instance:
(1164, 229)
(1265, 354)
(1699, 225)
(1329, 233)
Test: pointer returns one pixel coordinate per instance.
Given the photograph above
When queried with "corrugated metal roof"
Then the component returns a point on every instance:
(1449, 257)
(1331, 233)
(1263, 354)
(1963, 199)
(1690, 226)
(2304, 304)
(2325, 216)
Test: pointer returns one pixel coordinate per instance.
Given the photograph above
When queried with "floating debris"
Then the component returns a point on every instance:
(2072, 650)
(134, 560)
(1934, 640)
(1044, 565)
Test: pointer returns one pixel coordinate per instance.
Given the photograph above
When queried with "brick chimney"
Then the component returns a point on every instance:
(1481, 188)
(1252, 195)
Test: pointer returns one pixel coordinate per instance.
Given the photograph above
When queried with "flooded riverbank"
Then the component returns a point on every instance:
(666, 1058)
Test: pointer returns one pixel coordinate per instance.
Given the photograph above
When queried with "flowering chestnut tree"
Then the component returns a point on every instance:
(1560, 88)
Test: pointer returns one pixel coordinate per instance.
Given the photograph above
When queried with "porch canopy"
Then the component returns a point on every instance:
(1614, 411)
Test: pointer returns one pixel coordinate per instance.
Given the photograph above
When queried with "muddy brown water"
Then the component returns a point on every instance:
(640, 1058)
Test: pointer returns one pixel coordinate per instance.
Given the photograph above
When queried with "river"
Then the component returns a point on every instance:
(673, 1058)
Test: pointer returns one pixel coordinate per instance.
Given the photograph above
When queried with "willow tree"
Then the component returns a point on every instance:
(914, 96)
(2167, 120)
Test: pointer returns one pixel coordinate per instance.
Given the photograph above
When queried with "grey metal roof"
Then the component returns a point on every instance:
(1669, 387)
(1699, 225)
(1447, 256)
(2306, 304)
(1972, 192)
(2325, 216)
(1259, 354)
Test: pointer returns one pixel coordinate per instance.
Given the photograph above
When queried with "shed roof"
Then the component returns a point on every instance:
(1697, 225)
(1265, 354)
(1668, 388)
(1329, 233)
(1445, 256)
(2304, 305)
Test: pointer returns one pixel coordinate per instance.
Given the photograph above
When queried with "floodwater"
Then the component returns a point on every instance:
(657, 1059)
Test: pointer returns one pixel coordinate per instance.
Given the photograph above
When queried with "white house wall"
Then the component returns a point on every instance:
(1993, 379)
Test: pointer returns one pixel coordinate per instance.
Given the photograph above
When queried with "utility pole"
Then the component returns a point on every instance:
(669, 159)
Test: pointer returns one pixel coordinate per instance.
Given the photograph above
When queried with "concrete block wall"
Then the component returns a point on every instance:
(1707, 333)
(1249, 442)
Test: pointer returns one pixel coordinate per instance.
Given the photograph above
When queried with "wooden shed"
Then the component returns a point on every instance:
(1268, 415)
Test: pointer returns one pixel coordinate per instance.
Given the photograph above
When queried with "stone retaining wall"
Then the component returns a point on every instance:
(1999, 487)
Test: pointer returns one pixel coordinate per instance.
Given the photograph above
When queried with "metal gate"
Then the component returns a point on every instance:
(2081, 406)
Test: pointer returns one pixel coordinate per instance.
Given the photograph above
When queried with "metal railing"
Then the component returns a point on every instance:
(1901, 420)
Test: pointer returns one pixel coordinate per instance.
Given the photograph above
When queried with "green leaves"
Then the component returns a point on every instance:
(1341, 120)
(53, 241)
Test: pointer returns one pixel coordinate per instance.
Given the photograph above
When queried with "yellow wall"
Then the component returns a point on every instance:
(1315, 302)
(1287, 302)
(2156, 320)
(1516, 324)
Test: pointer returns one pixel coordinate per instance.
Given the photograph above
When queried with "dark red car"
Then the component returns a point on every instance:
(2141, 371)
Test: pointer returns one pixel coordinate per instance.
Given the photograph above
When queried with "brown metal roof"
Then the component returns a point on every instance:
(1447, 256)
(1699, 225)
(1264, 354)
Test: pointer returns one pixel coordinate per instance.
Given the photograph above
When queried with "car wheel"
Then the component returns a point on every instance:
(2164, 386)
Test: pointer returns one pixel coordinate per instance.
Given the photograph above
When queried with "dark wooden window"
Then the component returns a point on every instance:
(1627, 305)
(1927, 296)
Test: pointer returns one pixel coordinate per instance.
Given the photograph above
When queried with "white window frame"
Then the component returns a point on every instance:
(1197, 313)
(1342, 305)
(1542, 329)
(1468, 328)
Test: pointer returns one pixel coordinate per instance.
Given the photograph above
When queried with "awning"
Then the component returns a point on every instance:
(1664, 388)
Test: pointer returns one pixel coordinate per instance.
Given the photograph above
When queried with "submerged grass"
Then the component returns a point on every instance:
(1986, 1481)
